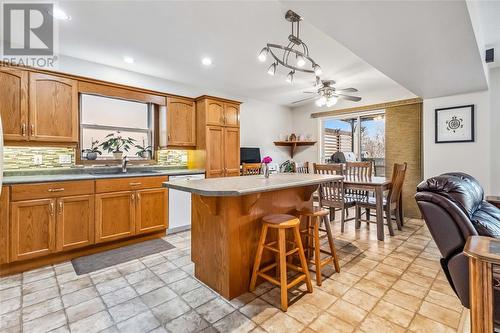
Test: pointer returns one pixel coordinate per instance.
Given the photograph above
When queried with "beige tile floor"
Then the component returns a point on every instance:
(391, 286)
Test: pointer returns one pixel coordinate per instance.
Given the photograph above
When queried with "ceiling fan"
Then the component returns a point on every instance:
(328, 95)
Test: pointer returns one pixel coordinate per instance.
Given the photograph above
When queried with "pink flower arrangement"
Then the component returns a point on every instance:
(267, 160)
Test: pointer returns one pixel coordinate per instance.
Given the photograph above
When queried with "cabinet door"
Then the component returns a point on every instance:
(114, 215)
(151, 210)
(214, 112)
(14, 105)
(75, 222)
(53, 108)
(215, 151)
(181, 122)
(231, 115)
(231, 151)
(32, 228)
(4, 225)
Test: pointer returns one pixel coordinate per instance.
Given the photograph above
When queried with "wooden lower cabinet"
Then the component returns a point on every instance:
(4, 225)
(151, 210)
(74, 222)
(32, 228)
(114, 215)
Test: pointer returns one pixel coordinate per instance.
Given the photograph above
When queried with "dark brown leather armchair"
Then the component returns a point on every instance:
(454, 208)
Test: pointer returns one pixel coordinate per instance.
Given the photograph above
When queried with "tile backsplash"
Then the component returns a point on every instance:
(24, 158)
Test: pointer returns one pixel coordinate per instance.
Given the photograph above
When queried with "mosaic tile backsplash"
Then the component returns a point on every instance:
(23, 158)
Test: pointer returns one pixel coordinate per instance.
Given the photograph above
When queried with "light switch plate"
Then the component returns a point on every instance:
(37, 159)
(64, 159)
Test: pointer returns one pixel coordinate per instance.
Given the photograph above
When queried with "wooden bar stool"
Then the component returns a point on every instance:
(281, 222)
(311, 232)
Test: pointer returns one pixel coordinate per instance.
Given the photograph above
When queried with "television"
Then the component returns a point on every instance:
(249, 155)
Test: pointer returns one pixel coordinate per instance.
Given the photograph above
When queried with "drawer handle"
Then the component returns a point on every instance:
(56, 189)
(135, 184)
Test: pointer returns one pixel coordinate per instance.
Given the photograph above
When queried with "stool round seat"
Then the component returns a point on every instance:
(281, 220)
(314, 212)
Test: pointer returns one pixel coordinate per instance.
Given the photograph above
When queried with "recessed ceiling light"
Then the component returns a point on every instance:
(206, 61)
(59, 14)
(128, 60)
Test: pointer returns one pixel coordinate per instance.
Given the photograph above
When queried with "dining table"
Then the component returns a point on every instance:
(377, 185)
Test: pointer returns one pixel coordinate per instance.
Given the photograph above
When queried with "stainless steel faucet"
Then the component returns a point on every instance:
(124, 164)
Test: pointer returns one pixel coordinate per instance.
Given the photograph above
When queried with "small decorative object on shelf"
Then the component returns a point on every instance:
(292, 137)
(91, 153)
(114, 143)
(265, 165)
(143, 151)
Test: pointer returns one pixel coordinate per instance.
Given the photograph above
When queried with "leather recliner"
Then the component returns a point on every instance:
(454, 209)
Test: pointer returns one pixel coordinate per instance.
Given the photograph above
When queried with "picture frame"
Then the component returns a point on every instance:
(454, 124)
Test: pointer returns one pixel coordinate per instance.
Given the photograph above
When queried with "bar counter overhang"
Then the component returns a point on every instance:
(226, 221)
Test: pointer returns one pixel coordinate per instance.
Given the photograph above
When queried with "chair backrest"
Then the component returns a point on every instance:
(328, 169)
(359, 169)
(398, 178)
(251, 169)
(301, 167)
(332, 193)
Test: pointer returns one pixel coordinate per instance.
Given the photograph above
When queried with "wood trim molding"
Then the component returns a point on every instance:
(117, 92)
(367, 108)
(217, 99)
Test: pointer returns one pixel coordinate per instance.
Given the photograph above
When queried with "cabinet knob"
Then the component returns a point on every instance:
(23, 129)
(132, 197)
(51, 209)
(60, 207)
(32, 129)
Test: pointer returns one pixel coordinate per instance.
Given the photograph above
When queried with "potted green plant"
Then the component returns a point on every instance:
(91, 153)
(116, 144)
(143, 151)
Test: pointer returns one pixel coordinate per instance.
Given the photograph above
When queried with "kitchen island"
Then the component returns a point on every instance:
(226, 222)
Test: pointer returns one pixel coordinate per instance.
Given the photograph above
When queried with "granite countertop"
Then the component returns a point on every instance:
(70, 174)
(237, 186)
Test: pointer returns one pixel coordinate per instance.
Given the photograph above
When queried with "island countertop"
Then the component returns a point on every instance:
(238, 186)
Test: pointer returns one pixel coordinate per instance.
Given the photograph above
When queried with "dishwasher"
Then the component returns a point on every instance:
(179, 206)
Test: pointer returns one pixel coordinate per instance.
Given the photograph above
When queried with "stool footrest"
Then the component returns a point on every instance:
(295, 281)
(269, 278)
(268, 268)
(294, 267)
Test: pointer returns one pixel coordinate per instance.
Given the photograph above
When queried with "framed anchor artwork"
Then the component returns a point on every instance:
(454, 124)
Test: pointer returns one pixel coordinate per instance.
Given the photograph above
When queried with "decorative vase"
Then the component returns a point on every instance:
(292, 137)
(118, 155)
(265, 170)
(91, 155)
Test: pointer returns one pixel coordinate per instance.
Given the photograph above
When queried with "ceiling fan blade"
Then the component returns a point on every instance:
(304, 99)
(349, 98)
(351, 90)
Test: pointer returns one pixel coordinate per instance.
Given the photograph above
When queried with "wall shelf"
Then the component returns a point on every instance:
(294, 144)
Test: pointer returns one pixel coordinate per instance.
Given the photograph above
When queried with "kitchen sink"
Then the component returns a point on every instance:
(119, 172)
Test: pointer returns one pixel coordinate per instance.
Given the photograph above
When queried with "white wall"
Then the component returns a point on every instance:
(495, 130)
(469, 157)
(261, 122)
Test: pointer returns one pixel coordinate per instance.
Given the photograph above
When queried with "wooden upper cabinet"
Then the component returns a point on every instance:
(231, 151)
(53, 108)
(114, 215)
(32, 228)
(215, 151)
(151, 210)
(181, 122)
(74, 222)
(14, 103)
(231, 115)
(214, 112)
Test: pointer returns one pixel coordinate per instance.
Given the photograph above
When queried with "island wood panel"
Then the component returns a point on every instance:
(75, 222)
(14, 106)
(53, 108)
(225, 233)
(231, 151)
(4, 225)
(114, 215)
(181, 122)
(151, 210)
(32, 228)
(403, 143)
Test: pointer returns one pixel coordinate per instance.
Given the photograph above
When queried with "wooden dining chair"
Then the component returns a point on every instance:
(249, 169)
(391, 203)
(301, 167)
(333, 196)
(359, 169)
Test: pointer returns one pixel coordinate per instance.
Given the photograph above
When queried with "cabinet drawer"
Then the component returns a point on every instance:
(128, 184)
(51, 190)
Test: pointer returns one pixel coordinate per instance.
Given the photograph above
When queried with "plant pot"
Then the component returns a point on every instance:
(117, 155)
(144, 154)
(265, 170)
(91, 155)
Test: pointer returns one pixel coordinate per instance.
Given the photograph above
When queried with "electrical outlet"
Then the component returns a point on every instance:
(64, 159)
(37, 159)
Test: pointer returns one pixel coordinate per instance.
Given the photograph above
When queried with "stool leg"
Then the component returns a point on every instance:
(332, 245)
(309, 239)
(258, 257)
(282, 264)
(302, 257)
(317, 256)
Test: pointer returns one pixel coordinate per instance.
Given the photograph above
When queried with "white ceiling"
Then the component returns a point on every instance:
(167, 39)
(429, 47)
